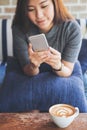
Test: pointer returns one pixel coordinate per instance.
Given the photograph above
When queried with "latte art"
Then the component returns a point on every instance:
(63, 111)
(63, 114)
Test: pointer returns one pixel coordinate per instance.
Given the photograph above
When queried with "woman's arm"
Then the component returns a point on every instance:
(64, 66)
(30, 69)
(36, 59)
(60, 67)
(65, 69)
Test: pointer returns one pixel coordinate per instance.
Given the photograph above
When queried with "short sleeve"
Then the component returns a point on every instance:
(20, 46)
(73, 42)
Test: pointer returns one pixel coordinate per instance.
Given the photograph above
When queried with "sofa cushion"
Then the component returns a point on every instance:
(83, 56)
(5, 39)
(85, 82)
(23, 93)
(83, 25)
(2, 73)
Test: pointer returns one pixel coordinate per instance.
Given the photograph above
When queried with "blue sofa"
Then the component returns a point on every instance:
(19, 93)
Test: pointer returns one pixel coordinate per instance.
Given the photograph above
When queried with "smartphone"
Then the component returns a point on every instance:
(39, 42)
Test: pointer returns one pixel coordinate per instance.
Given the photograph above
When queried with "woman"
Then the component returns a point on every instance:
(63, 34)
(64, 38)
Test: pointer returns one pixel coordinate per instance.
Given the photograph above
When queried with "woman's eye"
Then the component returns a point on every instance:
(44, 6)
(30, 10)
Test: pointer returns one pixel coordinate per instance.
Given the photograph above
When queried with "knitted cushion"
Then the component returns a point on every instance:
(24, 93)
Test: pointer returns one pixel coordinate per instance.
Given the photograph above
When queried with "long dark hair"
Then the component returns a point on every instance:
(22, 21)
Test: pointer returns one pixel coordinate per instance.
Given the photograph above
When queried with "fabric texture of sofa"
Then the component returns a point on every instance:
(19, 92)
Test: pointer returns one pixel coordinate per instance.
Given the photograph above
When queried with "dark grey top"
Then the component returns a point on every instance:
(65, 37)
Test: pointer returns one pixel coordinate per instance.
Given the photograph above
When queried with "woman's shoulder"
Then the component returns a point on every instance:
(16, 29)
(18, 34)
(71, 27)
(72, 24)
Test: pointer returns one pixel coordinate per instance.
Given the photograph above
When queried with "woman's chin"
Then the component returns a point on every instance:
(44, 29)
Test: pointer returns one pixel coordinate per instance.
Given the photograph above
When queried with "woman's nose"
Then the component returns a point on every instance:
(39, 14)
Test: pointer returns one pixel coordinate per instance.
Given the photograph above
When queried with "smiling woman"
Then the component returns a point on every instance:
(44, 78)
(46, 16)
(39, 13)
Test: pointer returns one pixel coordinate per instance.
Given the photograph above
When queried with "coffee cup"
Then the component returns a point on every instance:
(63, 114)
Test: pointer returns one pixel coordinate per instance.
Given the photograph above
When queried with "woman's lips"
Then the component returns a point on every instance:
(41, 22)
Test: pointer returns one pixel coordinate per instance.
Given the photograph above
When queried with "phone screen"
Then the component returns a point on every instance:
(39, 42)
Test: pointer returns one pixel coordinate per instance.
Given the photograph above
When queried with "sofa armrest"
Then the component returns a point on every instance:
(6, 42)
(83, 56)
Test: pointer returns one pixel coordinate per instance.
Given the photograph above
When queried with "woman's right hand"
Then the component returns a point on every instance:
(37, 58)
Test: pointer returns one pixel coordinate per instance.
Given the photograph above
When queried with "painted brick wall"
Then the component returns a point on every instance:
(77, 7)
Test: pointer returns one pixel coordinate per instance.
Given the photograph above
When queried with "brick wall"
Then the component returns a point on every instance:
(77, 7)
(7, 8)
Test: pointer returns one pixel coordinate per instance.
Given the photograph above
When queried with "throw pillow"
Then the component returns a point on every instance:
(23, 93)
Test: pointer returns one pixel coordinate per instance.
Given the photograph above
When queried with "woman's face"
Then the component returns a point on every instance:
(41, 13)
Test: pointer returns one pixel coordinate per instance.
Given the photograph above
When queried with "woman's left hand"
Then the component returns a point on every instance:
(55, 59)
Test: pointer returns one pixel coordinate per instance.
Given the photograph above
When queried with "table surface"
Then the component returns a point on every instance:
(37, 121)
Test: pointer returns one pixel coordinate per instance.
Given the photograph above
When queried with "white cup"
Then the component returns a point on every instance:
(63, 114)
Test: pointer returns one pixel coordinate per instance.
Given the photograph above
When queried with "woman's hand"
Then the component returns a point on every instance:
(37, 58)
(57, 63)
(51, 57)
(55, 59)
